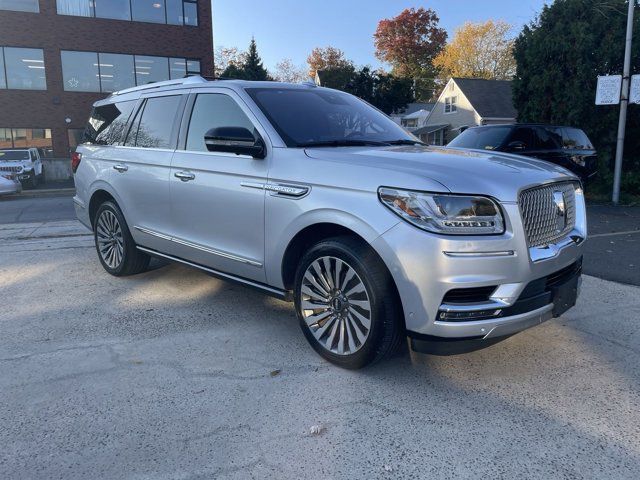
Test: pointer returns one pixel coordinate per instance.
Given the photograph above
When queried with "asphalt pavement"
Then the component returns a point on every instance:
(173, 374)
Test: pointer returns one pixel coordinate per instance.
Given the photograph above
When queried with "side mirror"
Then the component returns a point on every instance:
(236, 140)
(517, 146)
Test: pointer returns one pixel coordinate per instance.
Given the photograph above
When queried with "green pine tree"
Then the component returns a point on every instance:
(252, 67)
(559, 57)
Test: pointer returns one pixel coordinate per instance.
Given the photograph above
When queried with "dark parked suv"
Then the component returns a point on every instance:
(568, 147)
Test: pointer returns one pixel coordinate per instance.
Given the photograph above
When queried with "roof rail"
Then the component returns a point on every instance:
(166, 83)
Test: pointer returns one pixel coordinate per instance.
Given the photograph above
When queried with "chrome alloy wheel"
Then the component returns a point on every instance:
(109, 238)
(335, 305)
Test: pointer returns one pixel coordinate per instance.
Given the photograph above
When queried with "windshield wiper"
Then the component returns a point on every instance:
(406, 142)
(344, 143)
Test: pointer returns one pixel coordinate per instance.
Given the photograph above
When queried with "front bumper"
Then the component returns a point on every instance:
(427, 267)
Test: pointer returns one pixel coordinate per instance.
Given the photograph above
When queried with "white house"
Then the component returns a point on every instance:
(467, 102)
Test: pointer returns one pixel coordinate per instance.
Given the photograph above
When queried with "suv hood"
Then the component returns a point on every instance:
(499, 175)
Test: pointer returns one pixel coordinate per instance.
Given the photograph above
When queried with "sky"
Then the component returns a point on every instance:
(292, 28)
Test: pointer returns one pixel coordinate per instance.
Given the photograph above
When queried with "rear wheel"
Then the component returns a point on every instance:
(116, 249)
(346, 303)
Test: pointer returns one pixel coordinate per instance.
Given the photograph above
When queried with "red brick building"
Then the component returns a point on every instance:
(59, 56)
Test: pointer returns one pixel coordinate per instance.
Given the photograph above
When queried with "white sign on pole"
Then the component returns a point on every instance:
(634, 95)
(608, 92)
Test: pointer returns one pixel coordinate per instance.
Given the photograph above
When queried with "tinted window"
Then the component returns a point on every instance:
(211, 111)
(481, 138)
(107, 123)
(78, 8)
(117, 9)
(80, 71)
(20, 5)
(151, 69)
(193, 66)
(577, 139)
(148, 10)
(116, 72)
(308, 115)
(156, 124)
(25, 68)
(526, 136)
(548, 138)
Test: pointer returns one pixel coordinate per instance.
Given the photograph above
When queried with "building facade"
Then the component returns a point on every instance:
(57, 57)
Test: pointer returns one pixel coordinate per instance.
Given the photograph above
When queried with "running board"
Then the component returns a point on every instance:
(285, 295)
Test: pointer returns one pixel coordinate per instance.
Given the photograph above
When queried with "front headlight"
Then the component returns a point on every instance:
(443, 213)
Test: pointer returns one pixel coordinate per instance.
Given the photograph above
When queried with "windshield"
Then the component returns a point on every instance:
(318, 117)
(11, 155)
(481, 138)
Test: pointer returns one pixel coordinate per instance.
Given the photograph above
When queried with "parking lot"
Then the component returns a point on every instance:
(174, 374)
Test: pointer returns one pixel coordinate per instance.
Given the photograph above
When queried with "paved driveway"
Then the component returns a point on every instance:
(173, 374)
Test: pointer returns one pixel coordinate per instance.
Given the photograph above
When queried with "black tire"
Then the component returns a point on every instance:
(132, 260)
(386, 330)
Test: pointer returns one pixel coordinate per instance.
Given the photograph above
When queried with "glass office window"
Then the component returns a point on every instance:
(148, 11)
(80, 71)
(3, 80)
(20, 5)
(191, 14)
(5, 138)
(25, 68)
(151, 69)
(116, 9)
(177, 68)
(174, 12)
(77, 8)
(116, 72)
(193, 67)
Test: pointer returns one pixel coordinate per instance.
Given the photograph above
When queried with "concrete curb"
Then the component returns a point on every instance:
(49, 192)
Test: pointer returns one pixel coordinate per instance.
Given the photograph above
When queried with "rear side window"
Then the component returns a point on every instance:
(212, 110)
(107, 123)
(576, 138)
(153, 125)
(548, 139)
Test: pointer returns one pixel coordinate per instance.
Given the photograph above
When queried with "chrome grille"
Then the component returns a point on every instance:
(10, 169)
(541, 212)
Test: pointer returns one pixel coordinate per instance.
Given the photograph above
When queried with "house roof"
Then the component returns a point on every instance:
(416, 106)
(429, 129)
(416, 114)
(490, 98)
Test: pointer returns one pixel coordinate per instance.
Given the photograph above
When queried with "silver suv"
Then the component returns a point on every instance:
(314, 196)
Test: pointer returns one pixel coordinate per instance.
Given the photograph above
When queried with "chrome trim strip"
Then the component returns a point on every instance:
(199, 247)
(538, 254)
(472, 307)
(283, 294)
(280, 189)
(505, 253)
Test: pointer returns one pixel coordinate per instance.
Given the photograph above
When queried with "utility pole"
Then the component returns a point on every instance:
(624, 101)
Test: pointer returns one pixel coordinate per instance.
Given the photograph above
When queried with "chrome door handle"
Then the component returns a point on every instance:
(121, 168)
(184, 176)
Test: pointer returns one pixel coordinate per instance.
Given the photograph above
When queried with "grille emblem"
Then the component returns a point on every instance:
(561, 210)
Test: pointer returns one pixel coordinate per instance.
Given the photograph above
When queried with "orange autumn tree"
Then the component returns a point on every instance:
(410, 42)
(479, 50)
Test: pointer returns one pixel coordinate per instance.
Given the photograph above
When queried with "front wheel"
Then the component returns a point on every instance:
(116, 249)
(347, 304)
